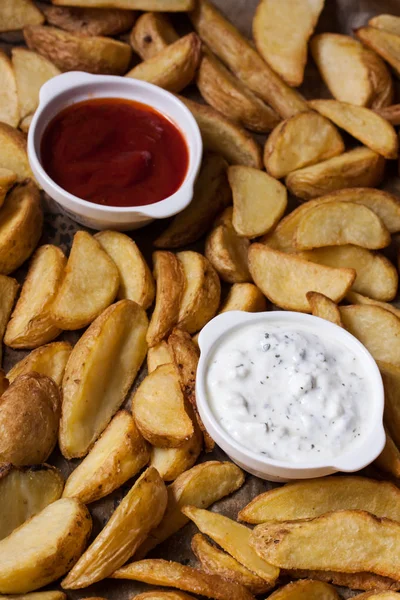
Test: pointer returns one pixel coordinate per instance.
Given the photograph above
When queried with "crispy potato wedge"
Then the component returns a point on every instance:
(164, 595)
(158, 408)
(227, 94)
(361, 167)
(37, 596)
(13, 154)
(26, 123)
(285, 279)
(244, 296)
(386, 44)
(389, 460)
(136, 280)
(259, 201)
(227, 251)
(233, 538)
(49, 360)
(29, 417)
(362, 123)
(8, 292)
(303, 140)
(74, 52)
(315, 497)
(376, 328)
(211, 195)
(9, 106)
(390, 113)
(90, 283)
(172, 68)
(139, 511)
(352, 72)
(202, 291)
(217, 562)
(355, 581)
(90, 21)
(152, 33)
(119, 454)
(378, 595)
(7, 180)
(391, 382)
(243, 60)
(304, 590)
(99, 373)
(356, 298)
(173, 574)
(202, 485)
(18, 13)
(324, 307)
(162, 5)
(170, 279)
(31, 323)
(389, 23)
(157, 355)
(25, 492)
(283, 42)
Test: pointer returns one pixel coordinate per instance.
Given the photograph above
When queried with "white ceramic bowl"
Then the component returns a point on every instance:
(276, 470)
(69, 88)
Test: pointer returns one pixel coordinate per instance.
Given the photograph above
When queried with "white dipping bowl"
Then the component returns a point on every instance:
(278, 470)
(69, 88)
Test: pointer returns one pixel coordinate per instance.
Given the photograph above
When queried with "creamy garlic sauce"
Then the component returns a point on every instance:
(287, 393)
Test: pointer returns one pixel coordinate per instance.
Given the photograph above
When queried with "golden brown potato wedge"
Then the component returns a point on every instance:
(136, 280)
(164, 595)
(7, 180)
(158, 355)
(241, 58)
(244, 296)
(356, 298)
(49, 360)
(361, 167)
(217, 562)
(389, 23)
(172, 68)
(31, 323)
(386, 44)
(8, 292)
(303, 140)
(389, 460)
(202, 485)
(139, 511)
(378, 595)
(324, 307)
(391, 383)
(13, 154)
(211, 195)
(26, 123)
(283, 41)
(352, 72)
(49, 595)
(170, 279)
(162, 5)
(90, 283)
(119, 454)
(227, 251)
(74, 52)
(99, 373)
(390, 113)
(158, 408)
(152, 33)
(89, 21)
(233, 538)
(25, 492)
(285, 279)
(259, 201)
(9, 106)
(305, 590)
(355, 581)
(18, 13)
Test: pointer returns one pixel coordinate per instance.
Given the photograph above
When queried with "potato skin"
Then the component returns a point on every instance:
(29, 418)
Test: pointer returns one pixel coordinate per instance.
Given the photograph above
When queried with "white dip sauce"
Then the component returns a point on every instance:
(287, 393)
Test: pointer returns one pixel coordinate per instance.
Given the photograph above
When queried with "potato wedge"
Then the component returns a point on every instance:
(162, 5)
(355, 581)
(90, 21)
(389, 460)
(89, 285)
(119, 454)
(315, 497)
(304, 590)
(7, 180)
(170, 279)
(324, 307)
(360, 167)
(356, 298)
(244, 296)
(227, 251)
(49, 360)
(362, 123)
(217, 562)
(25, 492)
(18, 13)
(29, 418)
(211, 195)
(386, 44)
(390, 113)
(74, 52)
(391, 383)
(37, 596)
(389, 23)
(158, 407)
(241, 58)
(44, 548)
(378, 595)
(136, 280)
(26, 123)
(376, 328)
(172, 68)
(139, 511)
(31, 323)
(158, 355)
(285, 279)
(13, 154)
(8, 292)
(259, 201)
(352, 72)
(152, 33)
(202, 485)
(9, 106)
(303, 140)
(164, 595)
(227, 94)
(100, 370)
(233, 538)
(283, 42)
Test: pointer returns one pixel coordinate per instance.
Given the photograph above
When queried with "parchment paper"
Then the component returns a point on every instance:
(339, 16)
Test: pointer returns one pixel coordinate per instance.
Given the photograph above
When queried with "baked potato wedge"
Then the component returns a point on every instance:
(384, 43)
(389, 23)
(99, 373)
(26, 123)
(244, 296)
(390, 113)
(355, 581)
(49, 595)
(90, 283)
(298, 590)
(9, 105)
(164, 595)
(389, 459)
(152, 33)
(391, 383)
(29, 419)
(8, 291)
(158, 355)
(13, 154)
(49, 360)
(119, 454)
(89, 21)
(139, 511)
(74, 52)
(7, 180)
(157, 5)
(18, 13)
(44, 548)
(356, 298)
(25, 492)
(324, 307)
